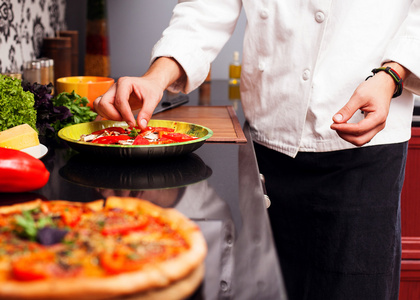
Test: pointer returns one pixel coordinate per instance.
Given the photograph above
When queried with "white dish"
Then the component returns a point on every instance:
(36, 151)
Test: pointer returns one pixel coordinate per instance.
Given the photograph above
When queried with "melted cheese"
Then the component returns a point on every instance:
(19, 137)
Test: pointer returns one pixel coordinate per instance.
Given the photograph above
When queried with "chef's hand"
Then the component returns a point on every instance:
(144, 93)
(373, 98)
(126, 95)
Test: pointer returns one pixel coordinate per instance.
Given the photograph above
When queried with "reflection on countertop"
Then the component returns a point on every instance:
(135, 175)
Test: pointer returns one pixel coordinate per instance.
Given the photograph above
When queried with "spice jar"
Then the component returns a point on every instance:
(14, 75)
(51, 72)
(45, 71)
(32, 72)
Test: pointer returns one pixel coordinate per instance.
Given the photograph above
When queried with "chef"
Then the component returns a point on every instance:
(327, 88)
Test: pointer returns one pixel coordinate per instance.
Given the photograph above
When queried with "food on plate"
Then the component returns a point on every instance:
(136, 136)
(19, 137)
(98, 250)
(21, 172)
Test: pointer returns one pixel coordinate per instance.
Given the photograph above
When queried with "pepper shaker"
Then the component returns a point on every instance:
(32, 72)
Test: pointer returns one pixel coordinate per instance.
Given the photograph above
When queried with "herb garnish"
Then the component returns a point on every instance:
(133, 133)
(28, 227)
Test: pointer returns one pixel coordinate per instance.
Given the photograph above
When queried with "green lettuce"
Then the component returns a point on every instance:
(16, 105)
(80, 112)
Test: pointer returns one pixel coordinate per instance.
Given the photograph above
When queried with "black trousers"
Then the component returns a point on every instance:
(335, 218)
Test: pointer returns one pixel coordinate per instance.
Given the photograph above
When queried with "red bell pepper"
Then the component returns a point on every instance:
(141, 141)
(116, 129)
(164, 140)
(21, 172)
(157, 129)
(112, 139)
(179, 137)
(41, 265)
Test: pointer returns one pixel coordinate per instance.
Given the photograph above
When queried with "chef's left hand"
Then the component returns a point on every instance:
(373, 98)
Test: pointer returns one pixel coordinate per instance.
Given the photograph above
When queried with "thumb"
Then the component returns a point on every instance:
(145, 113)
(346, 112)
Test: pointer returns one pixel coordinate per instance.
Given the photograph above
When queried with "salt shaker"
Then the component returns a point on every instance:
(32, 72)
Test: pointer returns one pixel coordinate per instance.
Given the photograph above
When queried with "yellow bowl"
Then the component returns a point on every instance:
(90, 87)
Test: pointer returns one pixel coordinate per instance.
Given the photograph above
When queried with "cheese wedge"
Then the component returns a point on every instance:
(19, 137)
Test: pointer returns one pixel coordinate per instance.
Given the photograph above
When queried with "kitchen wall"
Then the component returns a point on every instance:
(134, 27)
(23, 25)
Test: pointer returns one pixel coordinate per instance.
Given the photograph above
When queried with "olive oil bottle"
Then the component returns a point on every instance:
(235, 70)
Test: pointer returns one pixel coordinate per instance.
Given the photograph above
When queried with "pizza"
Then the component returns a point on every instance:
(136, 136)
(118, 248)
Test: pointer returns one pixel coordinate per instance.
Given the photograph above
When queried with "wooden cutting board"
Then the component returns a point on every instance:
(221, 119)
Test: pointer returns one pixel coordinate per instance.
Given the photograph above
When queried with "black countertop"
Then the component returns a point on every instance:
(218, 186)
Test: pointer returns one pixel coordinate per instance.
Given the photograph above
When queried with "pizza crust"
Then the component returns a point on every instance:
(178, 290)
(183, 273)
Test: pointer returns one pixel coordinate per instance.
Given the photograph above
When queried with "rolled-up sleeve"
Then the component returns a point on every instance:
(197, 32)
(404, 48)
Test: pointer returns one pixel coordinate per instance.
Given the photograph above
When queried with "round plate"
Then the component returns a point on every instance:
(36, 151)
(71, 135)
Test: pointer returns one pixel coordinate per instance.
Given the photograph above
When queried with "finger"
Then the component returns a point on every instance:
(347, 111)
(99, 118)
(371, 122)
(357, 140)
(104, 105)
(122, 96)
(146, 113)
(359, 133)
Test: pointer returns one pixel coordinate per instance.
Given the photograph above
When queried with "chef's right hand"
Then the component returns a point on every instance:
(144, 93)
(126, 95)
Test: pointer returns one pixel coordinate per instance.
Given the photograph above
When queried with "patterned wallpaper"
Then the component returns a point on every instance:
(23, 25)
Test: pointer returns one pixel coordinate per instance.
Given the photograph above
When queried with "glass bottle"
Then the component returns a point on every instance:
(235, 69)
(32, 72)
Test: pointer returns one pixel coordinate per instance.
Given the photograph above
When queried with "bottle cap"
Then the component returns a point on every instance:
(33, 65)
(235, 55)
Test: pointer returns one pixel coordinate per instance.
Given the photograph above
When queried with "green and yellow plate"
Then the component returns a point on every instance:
(72, 134)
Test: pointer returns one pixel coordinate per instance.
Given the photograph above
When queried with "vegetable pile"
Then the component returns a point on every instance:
(16, 105)
(136, 136)
(55, 113)
(33, 104)
(80, 112)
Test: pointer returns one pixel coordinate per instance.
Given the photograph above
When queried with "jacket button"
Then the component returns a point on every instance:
(319, 17)
(264, 14)
(306, 74)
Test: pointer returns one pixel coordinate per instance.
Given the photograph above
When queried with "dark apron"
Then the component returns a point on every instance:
(336, 220)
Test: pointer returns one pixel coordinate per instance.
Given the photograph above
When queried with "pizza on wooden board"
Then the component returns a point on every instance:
(119, 248)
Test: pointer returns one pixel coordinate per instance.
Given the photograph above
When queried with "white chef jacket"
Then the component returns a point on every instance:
(302, 61)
